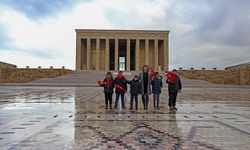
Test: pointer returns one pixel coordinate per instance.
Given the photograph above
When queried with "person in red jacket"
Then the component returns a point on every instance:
(174, 87)
(108, 89)
(120, 88)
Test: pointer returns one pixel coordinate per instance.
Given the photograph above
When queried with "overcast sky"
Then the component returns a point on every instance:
(203, 33)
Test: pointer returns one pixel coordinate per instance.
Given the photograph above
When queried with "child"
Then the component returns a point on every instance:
(174, 87)
(108, 84)
(120, 88)
(134, 91)
(156, 90)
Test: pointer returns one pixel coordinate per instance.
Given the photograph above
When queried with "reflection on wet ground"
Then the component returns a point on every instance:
(75, 118)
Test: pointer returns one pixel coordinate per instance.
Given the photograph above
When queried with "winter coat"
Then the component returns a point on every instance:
(134, 86)
(156, 85)
(109, 88)
(121, 82)
(176, 86)
(148, 92)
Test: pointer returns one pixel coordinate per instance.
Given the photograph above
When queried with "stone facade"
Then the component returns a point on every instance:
(121, 49)
(25, 75)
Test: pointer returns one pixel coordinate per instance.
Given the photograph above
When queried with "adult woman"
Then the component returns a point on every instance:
(145, 80)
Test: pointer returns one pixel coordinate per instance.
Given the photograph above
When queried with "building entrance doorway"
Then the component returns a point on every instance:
(122, 54)
(122, 63)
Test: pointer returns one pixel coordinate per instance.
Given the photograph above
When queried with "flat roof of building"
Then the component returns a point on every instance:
(118, 30)
(1, 62)
(239, 65)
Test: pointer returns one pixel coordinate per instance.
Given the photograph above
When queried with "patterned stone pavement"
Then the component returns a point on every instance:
(36, 117)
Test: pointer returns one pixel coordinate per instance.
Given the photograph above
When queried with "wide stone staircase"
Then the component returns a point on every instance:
(74, 78)
(90, 78)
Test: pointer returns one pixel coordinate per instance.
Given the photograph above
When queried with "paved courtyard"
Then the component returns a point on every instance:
(40, 117)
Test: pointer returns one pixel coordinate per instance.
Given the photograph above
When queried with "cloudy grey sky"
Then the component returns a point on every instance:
(203, 33)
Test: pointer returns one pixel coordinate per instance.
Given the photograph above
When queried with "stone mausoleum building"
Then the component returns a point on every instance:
(121, 49)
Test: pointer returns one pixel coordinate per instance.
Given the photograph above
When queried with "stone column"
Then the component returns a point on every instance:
(88, 54)
(137, 55)
(156, 54)
(78, 53)
(107, 54)
(147, 52)
(165, 52)
(97, 54)
(116, 53)
(128, 55)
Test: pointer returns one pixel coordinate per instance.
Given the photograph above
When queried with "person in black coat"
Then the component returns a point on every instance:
(156, 90)
(145, 81)
(108, 89)
(134, 91)
(173, 90)
(121, 88)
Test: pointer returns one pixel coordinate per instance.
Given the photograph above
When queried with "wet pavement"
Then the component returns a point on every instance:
(36, 117)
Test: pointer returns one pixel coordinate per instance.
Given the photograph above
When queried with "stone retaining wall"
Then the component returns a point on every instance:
(236, 76)
(21, 75)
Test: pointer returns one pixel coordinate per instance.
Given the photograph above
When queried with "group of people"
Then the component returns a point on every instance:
(143, 84)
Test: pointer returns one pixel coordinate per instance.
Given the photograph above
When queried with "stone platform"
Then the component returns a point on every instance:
(43, 117)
